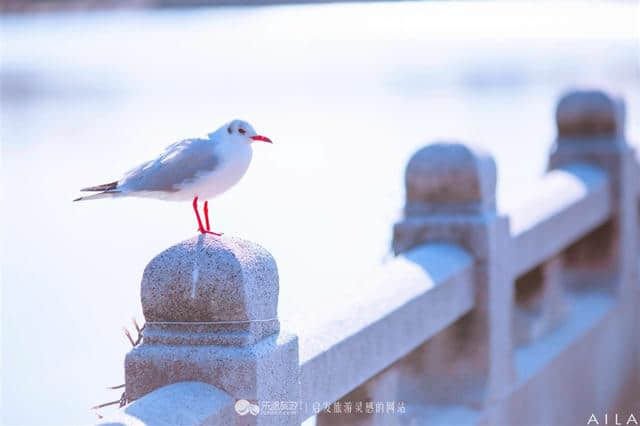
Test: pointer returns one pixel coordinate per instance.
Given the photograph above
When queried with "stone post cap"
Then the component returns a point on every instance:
(587, 114)
(450, 177)
(210, 290)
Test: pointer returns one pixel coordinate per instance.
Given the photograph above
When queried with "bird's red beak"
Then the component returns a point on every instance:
(261, 138)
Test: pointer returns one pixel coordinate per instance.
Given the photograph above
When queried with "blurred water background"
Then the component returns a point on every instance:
(346, 91)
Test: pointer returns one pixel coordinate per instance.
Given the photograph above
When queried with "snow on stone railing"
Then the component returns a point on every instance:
(484, 317)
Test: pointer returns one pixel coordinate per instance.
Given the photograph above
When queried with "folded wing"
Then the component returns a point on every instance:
(181, 163)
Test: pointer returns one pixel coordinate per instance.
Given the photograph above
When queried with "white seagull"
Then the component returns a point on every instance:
(189, 169)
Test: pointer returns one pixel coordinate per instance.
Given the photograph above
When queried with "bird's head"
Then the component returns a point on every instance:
(241, 131)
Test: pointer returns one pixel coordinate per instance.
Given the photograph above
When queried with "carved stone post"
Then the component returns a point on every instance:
(591, 130)
(451, 198)
(211, 316)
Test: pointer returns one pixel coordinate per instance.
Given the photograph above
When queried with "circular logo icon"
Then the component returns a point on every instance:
(254, 409)
(243, 406)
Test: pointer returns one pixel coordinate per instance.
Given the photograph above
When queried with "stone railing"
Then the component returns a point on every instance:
(525, 316)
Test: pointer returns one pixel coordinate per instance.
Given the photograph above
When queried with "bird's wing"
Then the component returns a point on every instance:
(179, 164)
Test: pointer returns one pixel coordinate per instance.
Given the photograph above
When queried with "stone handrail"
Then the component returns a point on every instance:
(180, 403)
(388, 322)
(566, 203)
(484, 316)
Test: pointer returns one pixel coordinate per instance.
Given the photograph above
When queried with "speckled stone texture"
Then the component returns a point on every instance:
(208, 278)
(601, 254)
(451, 199)
(450, 177)
(185, 403)
(266, 371)
(210, 290)
(210, 306)
(447, 182)
(591, 131)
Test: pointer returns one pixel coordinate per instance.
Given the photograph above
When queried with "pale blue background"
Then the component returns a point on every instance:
(346, 91)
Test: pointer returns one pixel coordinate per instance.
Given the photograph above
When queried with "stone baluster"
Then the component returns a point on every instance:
(591, 130)
(451, 198)
(450, 190)
(210, 306)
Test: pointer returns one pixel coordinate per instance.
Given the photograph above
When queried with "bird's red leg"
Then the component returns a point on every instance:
(195, 209)
(206, 217)
(206, 214)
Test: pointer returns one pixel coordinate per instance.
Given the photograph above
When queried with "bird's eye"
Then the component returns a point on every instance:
(242, 131)
(229, 130)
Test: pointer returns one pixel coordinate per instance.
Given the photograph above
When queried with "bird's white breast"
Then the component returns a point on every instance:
(234, 159)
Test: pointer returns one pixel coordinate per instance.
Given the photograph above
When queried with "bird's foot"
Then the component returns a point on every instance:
(206, 231)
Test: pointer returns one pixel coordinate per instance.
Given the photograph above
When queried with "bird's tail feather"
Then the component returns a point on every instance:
(104, 187)
(105, 194)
